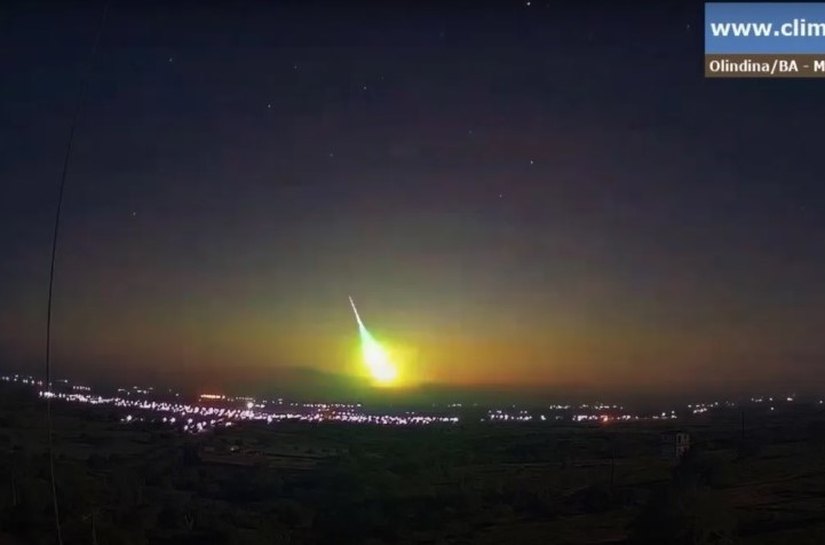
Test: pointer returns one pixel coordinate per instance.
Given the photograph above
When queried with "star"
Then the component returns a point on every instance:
(331, 154)
(500, 195)
(531, 161)
(364, 87)
(171, 59)
(134, 213)
(269, 106)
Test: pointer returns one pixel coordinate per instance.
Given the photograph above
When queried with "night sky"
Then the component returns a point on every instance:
(517, 196)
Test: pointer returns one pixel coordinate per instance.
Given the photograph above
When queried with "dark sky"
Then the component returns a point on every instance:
(543, 195)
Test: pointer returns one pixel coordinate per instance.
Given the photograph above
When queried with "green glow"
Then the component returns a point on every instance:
(378, 361)
(376, 358)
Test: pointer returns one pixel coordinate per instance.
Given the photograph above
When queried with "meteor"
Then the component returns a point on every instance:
(378, 362)
(355, 310)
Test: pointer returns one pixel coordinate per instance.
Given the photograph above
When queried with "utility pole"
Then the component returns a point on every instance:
(612, 462)
(13, 490)
(742, 414)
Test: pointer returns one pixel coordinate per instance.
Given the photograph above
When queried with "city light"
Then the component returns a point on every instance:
(220, 410)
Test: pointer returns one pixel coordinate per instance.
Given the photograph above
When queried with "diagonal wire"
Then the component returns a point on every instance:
(48, 382)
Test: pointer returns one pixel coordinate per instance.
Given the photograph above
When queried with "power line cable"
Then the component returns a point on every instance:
(48, 382)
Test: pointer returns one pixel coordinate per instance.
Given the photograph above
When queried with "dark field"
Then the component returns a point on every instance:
(470, 483)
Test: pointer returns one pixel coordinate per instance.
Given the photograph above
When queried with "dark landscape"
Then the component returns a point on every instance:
(752, 475)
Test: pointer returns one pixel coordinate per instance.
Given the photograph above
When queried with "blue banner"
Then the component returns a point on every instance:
(764, 28)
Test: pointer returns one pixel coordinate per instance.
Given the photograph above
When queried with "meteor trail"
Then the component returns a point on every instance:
(376, 358)
(355, 310)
